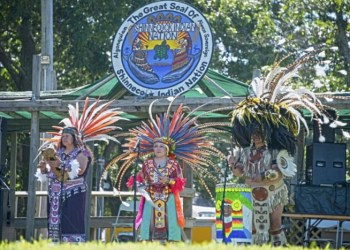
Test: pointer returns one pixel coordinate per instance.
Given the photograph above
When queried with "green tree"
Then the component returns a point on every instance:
(248, 35)
(19, 36)
(252, 34)
(83, 34)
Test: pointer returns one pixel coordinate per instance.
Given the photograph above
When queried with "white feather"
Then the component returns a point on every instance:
(337, 123)
(93, 114)
(345, 134)
(67, 122)
(270, 76)
(325, 119)
(41, 177)
(105, 138)
(72, 113)
(299, 118)
(319, 120)
(116, 192)
(75, 168)
(87, 111)
(256, 86)
(333, 125)
(281, 83)
(305, 104)
(304, 91)
(200, 106)
(322, 138)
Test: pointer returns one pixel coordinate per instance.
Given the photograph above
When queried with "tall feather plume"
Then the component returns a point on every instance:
(93, 124)
(276, 108)
(186, 139)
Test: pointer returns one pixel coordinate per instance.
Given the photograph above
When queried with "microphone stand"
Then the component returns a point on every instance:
(223, 205)
(63, 168)
(137, 149)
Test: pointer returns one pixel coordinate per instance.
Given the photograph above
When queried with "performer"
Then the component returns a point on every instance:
(66, 159)
(66, 199)
(258, 165)
(162, 179)
(165, 141)
(264, 127)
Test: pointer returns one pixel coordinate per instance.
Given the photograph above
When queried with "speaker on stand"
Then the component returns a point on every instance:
(326, 163)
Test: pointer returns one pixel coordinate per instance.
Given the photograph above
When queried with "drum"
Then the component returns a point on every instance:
(234, 214)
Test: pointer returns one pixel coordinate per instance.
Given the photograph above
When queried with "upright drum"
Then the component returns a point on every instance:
(236, 218)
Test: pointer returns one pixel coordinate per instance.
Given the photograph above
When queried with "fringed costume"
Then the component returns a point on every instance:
(273, 112)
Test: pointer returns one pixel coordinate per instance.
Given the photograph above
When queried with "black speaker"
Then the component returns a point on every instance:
(326, 163)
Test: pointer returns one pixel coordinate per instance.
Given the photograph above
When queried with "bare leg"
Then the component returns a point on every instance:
(278, 237)
(276, 218)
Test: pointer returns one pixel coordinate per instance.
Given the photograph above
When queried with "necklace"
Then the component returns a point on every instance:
(160, 163)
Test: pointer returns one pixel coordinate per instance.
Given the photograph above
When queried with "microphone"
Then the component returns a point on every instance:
(137, 144)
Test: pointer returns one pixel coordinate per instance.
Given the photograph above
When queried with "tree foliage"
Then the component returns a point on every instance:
(251, 34)
(83, 33)
(248, 35)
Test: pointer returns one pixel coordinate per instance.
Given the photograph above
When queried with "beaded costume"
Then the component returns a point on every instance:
(67, 189)
(160, 215)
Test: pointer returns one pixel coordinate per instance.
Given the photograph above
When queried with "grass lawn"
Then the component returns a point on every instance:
(38, 245)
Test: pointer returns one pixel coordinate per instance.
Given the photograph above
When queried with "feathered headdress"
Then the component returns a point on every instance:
(94, 123)
(185, 139)
(275, 109)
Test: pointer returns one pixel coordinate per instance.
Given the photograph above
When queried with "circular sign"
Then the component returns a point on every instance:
(162, 49)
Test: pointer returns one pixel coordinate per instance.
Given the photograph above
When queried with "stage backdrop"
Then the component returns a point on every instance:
(237, 213)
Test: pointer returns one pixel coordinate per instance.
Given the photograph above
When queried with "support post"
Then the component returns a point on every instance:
(10, 232)
(187, 201)
(47, 45)
(34, 145)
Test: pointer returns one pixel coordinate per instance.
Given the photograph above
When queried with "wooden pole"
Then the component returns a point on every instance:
(34, 145)
(47, 83)
(47, 45)
(10, 233)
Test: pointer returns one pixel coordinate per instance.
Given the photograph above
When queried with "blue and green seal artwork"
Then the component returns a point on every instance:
(162, 49)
